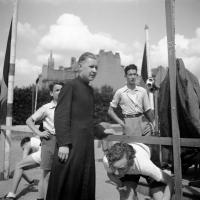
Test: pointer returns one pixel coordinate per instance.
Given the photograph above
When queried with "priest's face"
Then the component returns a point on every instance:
(88, 69)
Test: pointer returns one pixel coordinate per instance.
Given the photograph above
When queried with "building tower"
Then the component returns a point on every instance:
(51, 61)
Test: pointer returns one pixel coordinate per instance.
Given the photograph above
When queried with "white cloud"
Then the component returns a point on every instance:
(186, 48)
(53, 2)
(5, 1)
(26, 31)
(57, 2)
(26, 72)
(1, 63)
(158, 53)
(71, 34)
(1, 54)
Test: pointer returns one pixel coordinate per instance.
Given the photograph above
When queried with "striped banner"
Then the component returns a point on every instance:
(4, 83)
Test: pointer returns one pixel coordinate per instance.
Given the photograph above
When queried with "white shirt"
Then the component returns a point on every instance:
(35, 144)
(46, 114)
(131, 101)
(142, 164)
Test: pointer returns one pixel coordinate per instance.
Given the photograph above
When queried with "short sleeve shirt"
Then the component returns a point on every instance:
(131, 101)
(142, 163)
(35, 144)
(46, 114)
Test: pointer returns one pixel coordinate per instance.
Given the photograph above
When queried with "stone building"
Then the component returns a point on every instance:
(110, 72)
(50, 74)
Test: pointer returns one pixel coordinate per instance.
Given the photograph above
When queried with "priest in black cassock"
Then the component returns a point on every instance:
(73, 170)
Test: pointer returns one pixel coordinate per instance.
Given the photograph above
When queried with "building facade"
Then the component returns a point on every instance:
(110, 72)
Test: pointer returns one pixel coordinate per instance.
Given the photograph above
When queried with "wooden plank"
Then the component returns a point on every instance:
(170, 22)
(186, 142)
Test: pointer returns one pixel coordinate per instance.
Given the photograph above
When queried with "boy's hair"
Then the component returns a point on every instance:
(85, 56)
(51, 85)
(117, 151)
(127, 68)
(24, 141)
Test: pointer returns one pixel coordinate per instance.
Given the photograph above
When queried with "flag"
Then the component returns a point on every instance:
(144, 69)
(4, 81)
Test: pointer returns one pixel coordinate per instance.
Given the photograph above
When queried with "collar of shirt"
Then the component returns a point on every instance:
(52, 104)
(126, 89)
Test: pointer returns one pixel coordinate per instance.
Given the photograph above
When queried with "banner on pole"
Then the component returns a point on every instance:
(4, 82)
(144, 69)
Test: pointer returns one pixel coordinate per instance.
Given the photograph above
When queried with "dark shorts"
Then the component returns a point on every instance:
(47, 152)
(135, 178)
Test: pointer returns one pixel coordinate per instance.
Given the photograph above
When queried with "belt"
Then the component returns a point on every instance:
(133, 115)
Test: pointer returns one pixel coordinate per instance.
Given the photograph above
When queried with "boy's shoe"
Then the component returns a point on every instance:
(7, 198)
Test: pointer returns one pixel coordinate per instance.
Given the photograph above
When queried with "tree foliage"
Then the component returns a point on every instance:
(23, 105)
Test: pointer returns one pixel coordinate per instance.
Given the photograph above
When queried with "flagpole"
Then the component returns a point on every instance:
(146, 28)
(6, 166)
(36, 96)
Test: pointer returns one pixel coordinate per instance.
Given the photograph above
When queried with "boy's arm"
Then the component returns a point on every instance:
(114, 116)
(151, 170)
(149, 115)
(115, 179)
(31, 124)
(168, 180)
(26, 150)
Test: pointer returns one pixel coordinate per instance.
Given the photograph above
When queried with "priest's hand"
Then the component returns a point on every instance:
(63, 153)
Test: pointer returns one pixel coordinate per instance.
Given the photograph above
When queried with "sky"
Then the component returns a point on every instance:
(71, 27)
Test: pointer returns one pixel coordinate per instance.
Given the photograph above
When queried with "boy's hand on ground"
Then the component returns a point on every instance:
(63, 153)
(122, 188)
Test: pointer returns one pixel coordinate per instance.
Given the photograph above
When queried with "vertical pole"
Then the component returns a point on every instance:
(33, 99)
(170, 22)
(36, 96)
(7, 142)
(146, 28)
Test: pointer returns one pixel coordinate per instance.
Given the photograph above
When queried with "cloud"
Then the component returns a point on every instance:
(53, 2)
(57, 2)
(26, 72)
(26, 31)
(4, 1)
(1, 63)
(70, 33)
(1, 54)
(186, 48)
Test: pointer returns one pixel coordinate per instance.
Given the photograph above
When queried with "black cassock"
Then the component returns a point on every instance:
(74, 179)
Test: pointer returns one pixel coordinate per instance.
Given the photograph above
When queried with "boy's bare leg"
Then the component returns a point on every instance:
(26, 178)
(26, 163)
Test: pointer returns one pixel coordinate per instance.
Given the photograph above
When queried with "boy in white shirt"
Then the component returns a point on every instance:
(46, 114)
(125, 163)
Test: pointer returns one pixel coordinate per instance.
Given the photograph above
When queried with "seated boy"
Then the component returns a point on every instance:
(31, 159)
